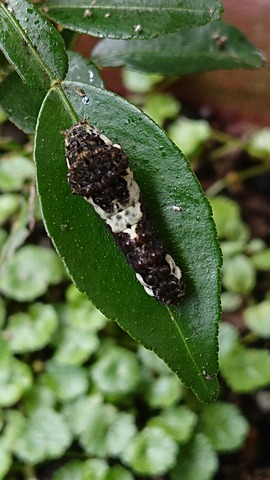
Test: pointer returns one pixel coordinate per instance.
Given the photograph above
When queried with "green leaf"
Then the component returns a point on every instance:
(150, 452)
(66, 381)
(211, 47)
(164, 391)
(118, 473)
(160, 107)
(94, 469)
(259, 143)
(224, 426)
(21, 102)
(76, 346)
(39, 396)
(245, 370)
(152, 362)
(261, 259)
(257, 318)
(196, 460)
(81, 69)
(81, 412)
(14, 171)
(227, 218)
(117, 371)
(230, 301)
(5, 462)
(15, 379)
(120, 433)
(120, 19)
(93, 438)
(189, 135)
(29, 273)
(9, 203)
(239, 274)
(32, 44)
(178, 422)
(184, 336)
(43, 436)
(27, 332)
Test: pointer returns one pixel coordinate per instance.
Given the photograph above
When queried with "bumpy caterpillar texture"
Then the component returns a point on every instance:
(98, 171)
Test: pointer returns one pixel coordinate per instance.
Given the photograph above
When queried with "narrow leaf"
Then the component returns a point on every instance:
(31, 44)
(136, 19)
(184, 336)
(21, 102)
(211, 47)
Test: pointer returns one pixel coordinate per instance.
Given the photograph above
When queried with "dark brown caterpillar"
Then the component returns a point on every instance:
(98, 170)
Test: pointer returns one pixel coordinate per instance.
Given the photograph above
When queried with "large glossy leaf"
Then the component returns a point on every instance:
(211, 47)
(136, 19)
(31, 44)
(21, 102)
(184, 336)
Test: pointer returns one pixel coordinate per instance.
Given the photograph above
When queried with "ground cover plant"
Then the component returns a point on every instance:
(79, 398)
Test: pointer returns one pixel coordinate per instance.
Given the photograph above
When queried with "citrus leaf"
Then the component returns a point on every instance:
(31, 44)
(184, 336)
(121, 19)
(15, 100)
(211, 47)
(81, 69)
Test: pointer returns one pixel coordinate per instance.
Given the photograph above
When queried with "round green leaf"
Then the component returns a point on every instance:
(66, 381)
(116, 372)
(5, 462)
(118, 473)
(239, 274)
(261, 259)
(29, 272)
(120, 433)
(27, 332)
(93, 438)
(15, 379)
(257, 318)
(227, 218)
(214, 46)
(94, 469)
(76, 346)
(121, 19)
(80, 412)
(9, 203)
(164, 391)
(151, 452)
(189, 134)
(178, 422)
(44, 435)
(224, 426)
(14, 171)
(246, 370)
(185, 336)
(196, 460)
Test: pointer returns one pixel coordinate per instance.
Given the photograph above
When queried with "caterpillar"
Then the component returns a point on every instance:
(98, 170)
